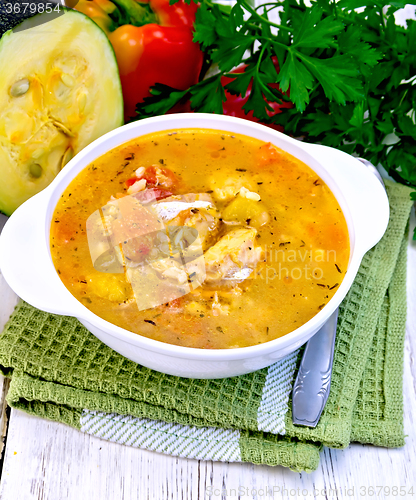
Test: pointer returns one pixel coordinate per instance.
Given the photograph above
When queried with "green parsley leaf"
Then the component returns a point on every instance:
(297, 77)
(206, 19)
(315, 33)
(163, 98)
(338, 76)
(241, 81)
(208, 95)
(231, 50)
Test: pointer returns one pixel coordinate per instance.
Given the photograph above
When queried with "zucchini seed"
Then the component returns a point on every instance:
(66, 157)
(19, 88)
(67, 80)
(61, 127)
(35, 170)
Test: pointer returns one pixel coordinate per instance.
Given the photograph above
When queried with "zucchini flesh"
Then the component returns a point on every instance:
(60, 90)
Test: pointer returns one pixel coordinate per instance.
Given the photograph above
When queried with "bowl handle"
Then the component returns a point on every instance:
(365, 195)
(25, 260)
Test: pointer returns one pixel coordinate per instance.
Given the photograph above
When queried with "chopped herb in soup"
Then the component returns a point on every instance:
(272, 239)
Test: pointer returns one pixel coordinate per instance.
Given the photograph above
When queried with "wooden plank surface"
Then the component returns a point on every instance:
(50, 461)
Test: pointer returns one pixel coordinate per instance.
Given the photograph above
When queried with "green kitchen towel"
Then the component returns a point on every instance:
(62, 372)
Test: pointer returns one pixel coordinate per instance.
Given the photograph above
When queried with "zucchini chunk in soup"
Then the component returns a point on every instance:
(212, 240)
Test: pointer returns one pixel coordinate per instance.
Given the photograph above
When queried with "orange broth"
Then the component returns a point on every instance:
(300, 233)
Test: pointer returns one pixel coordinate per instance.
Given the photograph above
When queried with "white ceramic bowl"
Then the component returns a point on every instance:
(26, 263)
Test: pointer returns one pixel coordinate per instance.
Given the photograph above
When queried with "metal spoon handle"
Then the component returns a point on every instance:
(312, 384)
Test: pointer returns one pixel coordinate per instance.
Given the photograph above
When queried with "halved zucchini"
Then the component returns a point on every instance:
(59, 90)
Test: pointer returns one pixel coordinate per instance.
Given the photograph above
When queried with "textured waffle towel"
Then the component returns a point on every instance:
(62, 372)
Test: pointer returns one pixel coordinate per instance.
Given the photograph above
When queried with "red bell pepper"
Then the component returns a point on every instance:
(154, 46)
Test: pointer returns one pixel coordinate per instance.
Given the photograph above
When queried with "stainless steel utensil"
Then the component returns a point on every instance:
(311, 388)
(313, 382)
